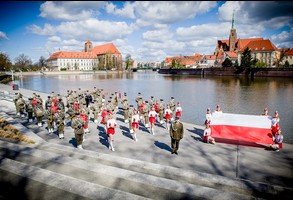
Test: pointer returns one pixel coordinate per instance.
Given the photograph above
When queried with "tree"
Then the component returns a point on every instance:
(246, 59)
(128, 61)
(227, 63)
(22, 62)
(287, 64)
(173, 63)
(5, 63)
(282, 56)
(236, 64)
(42, 61)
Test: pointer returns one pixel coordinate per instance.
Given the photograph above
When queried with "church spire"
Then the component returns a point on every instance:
(233, 20)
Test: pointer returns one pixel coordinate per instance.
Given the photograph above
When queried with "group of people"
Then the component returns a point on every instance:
(277, 136)
(81, 105)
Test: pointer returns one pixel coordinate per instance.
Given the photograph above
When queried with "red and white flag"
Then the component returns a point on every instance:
(249, 128)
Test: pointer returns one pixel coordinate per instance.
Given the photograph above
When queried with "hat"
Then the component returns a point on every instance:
(208, 109)
(172, 97)
(49, 97)
(178, 103)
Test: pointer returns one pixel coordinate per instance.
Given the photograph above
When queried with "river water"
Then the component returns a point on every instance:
(234, 94)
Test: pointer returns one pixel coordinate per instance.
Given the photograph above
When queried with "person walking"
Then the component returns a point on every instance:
(77, 124)
(172, 107)
(135, 123)
(152, 118)
(176, 134)
(59, 119)
(161, 111)
(111, 125)
(178, 110)
(168, 114)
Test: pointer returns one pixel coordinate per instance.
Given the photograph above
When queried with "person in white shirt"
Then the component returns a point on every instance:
(111, 125)
(152, 119)
(168, 114)
(135, 119)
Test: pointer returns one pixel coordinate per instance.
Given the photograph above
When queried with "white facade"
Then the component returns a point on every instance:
(73, 63)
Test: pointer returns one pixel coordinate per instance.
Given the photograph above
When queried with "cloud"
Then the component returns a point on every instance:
(3, 36)
(283, 39)
(70, 10)
(54, 39)
(157, 35)
(127, 11)
(93, 29)
(169, 12)
(47, 30)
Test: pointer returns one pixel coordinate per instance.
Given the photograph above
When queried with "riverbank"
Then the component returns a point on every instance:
(246, 164)
(255, 72)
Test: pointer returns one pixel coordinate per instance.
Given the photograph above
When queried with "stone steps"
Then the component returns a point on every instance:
(108, 175)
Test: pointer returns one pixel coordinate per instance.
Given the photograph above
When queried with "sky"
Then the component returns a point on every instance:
(149, 31)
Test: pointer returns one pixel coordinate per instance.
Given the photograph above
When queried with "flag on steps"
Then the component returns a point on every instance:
(248, 128)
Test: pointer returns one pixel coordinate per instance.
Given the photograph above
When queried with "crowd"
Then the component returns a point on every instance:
(82, 106)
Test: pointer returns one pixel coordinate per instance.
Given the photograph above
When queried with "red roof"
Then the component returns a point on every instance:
(231, 54)
(106, 48)
(289, 53)
(260, 45)
(210, 57)
(70, 55)
(102, 49)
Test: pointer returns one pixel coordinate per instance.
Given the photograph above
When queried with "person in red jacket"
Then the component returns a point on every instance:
(111, 125)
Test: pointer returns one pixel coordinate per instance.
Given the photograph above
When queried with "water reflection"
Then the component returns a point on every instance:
(195, 93)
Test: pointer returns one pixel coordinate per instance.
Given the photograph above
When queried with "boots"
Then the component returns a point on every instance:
(79, 146)
(147, 125)
(134, 137)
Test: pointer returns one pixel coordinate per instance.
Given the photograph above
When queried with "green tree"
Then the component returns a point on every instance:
(246, 59)
(227, 63)
(42, 61)
(128, 61)
(173, 63)
(236, 64)
(287, 64)
(5, 63)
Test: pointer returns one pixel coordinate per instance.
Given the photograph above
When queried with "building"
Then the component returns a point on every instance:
(104, 56)
(288, 56)
(263, 50)
(186, 61)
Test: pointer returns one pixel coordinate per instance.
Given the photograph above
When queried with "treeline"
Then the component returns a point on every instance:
(21, 63)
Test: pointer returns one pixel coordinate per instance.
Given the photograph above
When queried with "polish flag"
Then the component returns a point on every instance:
(248, 128)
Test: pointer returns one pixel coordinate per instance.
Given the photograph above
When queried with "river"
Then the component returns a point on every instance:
(234, 94)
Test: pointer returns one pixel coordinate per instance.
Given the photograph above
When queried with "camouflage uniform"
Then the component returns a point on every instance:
(161, 111)
(59, 119)
(77, 124)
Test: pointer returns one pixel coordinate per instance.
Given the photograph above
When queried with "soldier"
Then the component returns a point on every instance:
(70, 111)
(77, 124)
(161, 110)
(20, 103)
(29, 109)
(153, 116)
(146, 109)
(116, 100)
(39, 99)
(48, 103)
(138, 100)
(96, 110)
(125, 107)
(15, 98)
(131, 108)
(176, 134)
(59, 119)
(152, 101)
(50, 120)
(60, 104)
(88, 98)
(135, 123)
(172, 107)
(84, 113)
(39, 113)
(111, 125)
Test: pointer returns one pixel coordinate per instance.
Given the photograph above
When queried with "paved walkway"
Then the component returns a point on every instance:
(229, 160)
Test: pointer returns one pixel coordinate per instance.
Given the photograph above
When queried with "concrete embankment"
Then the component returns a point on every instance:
(142, 169)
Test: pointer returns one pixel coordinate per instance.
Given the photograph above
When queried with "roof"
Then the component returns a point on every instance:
(244, 42)
(106, 48)
(260, 45)
(79, 55)
(210, 57)
(289, 53)
(97, 50)
(231, 54)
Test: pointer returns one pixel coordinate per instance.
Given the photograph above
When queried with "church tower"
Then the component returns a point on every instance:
(88, 46)
(233, 36)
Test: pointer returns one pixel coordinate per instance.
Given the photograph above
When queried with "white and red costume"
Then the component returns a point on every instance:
(208, 118)
(207, 135)
(153, 116)
(168, 113)
(178, 111)
(135, 120)
(111, 125)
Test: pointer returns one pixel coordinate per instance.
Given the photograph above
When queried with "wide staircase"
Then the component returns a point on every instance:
(54, 171)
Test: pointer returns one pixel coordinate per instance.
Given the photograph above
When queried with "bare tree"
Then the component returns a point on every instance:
(5, 63)
(22, 62)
